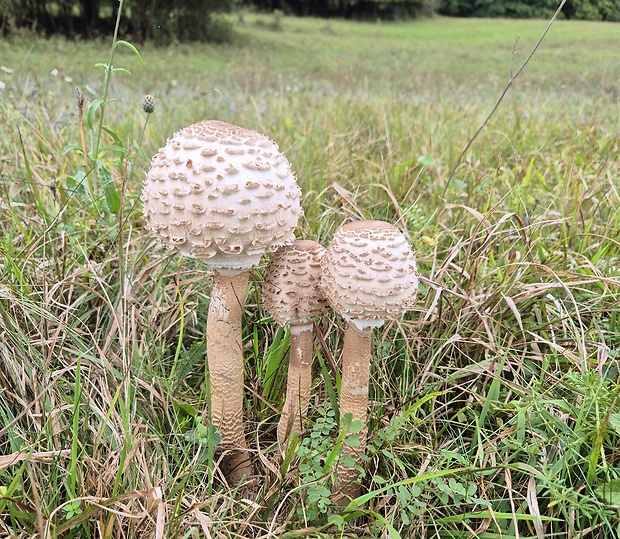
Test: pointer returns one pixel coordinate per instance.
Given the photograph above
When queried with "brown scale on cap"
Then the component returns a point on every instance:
(369, 276)
(226, 195)
(222, 193)
(369, 273)
(291, 292)
(292, 295)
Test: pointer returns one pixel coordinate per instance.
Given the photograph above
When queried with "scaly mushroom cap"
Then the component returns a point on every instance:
(291, 292)
(369, 273)
(222, 193)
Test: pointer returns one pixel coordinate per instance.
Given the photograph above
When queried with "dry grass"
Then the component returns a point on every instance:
(494, 403)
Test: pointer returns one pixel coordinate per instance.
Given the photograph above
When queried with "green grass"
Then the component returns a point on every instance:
(494, 404)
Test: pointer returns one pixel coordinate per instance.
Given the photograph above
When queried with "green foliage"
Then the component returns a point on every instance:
(315, 465)
(595, 10)
(104, 193)
(356, 9)
(159, 20)
(186, 21)
(493, 405)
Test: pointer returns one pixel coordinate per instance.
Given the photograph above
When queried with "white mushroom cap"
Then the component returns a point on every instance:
(221, 193)
(369, 273)
(291, 291)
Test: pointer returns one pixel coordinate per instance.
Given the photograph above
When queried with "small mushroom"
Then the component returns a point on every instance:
(205, 197)
(369, 276)
(291, 295)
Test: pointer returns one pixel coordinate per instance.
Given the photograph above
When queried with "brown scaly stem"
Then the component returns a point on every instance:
(225, 361)
(356, 357)
(298, 386)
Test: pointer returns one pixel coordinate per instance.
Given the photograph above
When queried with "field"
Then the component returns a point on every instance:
(495, 408)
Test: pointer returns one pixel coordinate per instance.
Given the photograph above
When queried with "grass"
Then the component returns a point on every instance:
(494, 404)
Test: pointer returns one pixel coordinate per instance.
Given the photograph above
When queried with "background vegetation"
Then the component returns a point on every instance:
(595, 10)
(164, 21)
(494, 404)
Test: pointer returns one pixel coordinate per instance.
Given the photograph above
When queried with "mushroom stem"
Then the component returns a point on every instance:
(357, 352)
(225, 361)
(299, 384)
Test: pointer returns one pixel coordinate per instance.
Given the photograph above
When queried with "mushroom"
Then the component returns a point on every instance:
(226, 195)
(291, 295)
(369, 275)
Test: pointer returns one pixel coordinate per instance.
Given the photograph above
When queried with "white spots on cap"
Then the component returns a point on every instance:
(222, 193)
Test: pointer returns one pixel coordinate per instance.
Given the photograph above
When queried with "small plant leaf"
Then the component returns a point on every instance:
(71, 148)
(92, 111)
(185, 409)
(140, 151)
(426, 160)
(614, 422)
(346, 420)
(121, 70)
(113, 148)
(78, 183)
(356, 426)
(112, 196)
(117, 140)
(427, 398)
(336, 520)
(401, 168)
(352, 441)
(92, 91)
(348, 461)
(610, 492)
(216, 438)
(132, 48)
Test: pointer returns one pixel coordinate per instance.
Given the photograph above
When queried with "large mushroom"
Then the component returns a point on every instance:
(226, 195)
(291, 295)
(369, 276)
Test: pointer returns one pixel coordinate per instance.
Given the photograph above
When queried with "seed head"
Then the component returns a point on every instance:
(148, 105)
(80, 97)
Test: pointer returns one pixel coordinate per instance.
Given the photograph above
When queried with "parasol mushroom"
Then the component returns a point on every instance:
(291, 295)
(369, 276)
(225, 195)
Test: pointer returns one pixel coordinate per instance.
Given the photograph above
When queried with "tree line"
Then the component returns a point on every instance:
(594, 10)
(190, 20)
(167, 20)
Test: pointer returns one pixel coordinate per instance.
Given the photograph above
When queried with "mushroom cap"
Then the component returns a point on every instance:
(221, 193)
(291, 291)
(369, 273)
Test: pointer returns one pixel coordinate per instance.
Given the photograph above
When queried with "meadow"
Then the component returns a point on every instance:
(494, 404)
